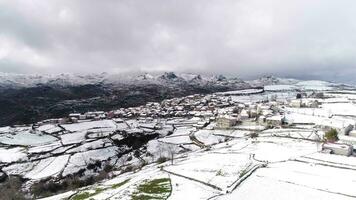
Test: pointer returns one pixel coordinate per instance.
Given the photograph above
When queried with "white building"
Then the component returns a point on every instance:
(338, 149)
(243, 115)
(276, 120)
(296, 103)
(352, 133)
(226, 122)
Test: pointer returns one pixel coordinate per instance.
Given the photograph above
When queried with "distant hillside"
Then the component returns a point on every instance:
(30, 98)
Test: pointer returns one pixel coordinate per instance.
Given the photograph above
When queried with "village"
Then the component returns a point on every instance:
(230, 110)
(219, 145)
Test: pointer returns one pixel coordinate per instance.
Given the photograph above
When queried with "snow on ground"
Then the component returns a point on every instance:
(258, 187)
(219, 169)
(348, 140)
(45, 148)
(46, 127)
(176, 140)
(210, 137)
(48, 167)
(294, 133)
(91, 125)
(317, 112)
(121, 126)
(62, 196)
(255, 127)
(226, 162)
(19, 168)
(12, 155)
(125, 185)
(294, 166)
(185, 189)
(349, 95)
(190, 147)
(159, 149)
(341, 108)
(183, 131)
(242, 92)
(330, 159)
(335, 122)
(132, 123)
(276, 150)
(279, 87)
(6, 129)
(117, 136)
(232, 133)
(280, 96)
(27, 139)
(91, 145)
(81, 160)
(73, 138)
(314, 85)
(49, 128)
(320, 177)
(269, 149)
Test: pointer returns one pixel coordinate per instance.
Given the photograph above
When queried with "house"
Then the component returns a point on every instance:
(276, 120)
(200, 124)
(312, 103)
(224, 122)
(74, 115)
(338, 149)
(243, 115)
(62, 120)
(74, 120)
(352, 133)
(261, 119)
(296, 103)
(253, 113)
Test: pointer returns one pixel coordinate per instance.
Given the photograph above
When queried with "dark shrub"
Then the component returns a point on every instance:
(162, 159)
(11, 189)
(331, 136)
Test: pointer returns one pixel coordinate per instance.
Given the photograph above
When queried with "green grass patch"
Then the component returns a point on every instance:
(87, 195)
(81, 196)
(242, 173)
(159, 189)
(115, 186)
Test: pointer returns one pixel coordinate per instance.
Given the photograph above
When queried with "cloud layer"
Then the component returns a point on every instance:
(296, 38)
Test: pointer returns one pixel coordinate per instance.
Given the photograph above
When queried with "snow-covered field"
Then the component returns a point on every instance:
(27, 138)
(296, 181)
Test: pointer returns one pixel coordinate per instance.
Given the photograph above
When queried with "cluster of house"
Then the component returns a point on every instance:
(221, 109)
(210, 107)
(304, 103)
(76, 117)
(193, 105)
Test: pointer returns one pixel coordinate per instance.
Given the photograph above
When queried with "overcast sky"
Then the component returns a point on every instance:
(294, 38)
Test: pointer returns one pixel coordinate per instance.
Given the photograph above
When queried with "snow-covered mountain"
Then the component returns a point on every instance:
(272, 80)
(8, 80)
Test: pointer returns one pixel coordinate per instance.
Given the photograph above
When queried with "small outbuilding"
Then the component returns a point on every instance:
(352, 133)
(338, 149)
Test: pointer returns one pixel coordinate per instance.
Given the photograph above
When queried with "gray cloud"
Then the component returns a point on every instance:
(297, 38)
